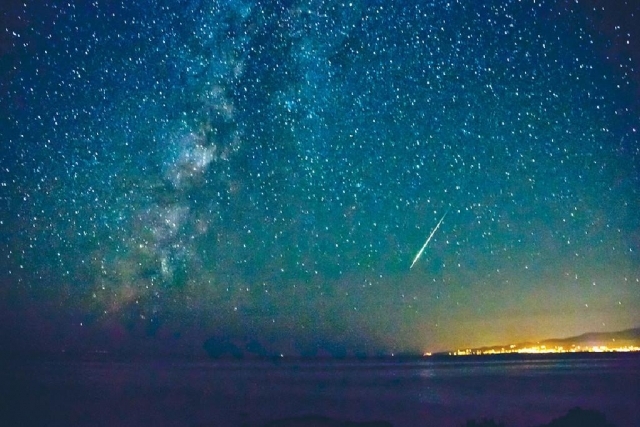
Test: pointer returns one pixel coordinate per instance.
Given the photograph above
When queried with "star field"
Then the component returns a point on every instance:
(269, 170)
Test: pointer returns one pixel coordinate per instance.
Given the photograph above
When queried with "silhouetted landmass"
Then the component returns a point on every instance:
(576, 417)
(317, 421)
(628, 335)
(483, 423)
(239, 347)
(221, 347)
(611, 339)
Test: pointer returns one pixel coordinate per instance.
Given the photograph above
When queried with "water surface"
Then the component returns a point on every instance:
(520, 391)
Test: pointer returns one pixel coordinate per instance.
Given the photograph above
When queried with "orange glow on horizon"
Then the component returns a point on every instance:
(543, 349)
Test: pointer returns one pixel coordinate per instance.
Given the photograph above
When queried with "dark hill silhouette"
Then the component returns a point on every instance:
(483, 423)
(625, 337)
(576, 417)
(318, 421)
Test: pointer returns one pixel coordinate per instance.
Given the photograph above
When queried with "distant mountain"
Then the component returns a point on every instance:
(585, 342)
(632, 335)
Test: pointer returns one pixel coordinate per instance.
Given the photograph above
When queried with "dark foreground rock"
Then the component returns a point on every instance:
(317, 421)
(578, 417)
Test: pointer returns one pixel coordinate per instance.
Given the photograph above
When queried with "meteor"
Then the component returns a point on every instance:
(428, 240)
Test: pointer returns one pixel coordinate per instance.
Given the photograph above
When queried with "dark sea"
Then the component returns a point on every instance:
(519, 391)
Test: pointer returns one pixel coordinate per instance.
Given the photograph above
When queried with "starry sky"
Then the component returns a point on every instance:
(266, 172)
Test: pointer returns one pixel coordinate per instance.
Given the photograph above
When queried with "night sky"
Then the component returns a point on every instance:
(264, 173)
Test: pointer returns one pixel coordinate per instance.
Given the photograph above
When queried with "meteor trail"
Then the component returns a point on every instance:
(428, 239)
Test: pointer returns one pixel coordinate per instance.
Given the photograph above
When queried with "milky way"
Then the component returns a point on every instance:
(266, 170)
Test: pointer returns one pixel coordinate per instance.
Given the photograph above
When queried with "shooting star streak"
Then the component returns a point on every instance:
(428, 240)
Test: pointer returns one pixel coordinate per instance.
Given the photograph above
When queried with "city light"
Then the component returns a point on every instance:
(544, 349)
